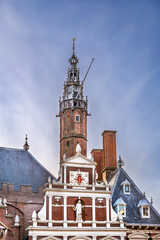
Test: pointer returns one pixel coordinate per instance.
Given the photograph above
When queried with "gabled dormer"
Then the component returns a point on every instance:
(120, 207)
(144, 208)
(126, 186)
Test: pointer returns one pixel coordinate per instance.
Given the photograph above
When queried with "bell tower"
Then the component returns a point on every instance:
(73, 112)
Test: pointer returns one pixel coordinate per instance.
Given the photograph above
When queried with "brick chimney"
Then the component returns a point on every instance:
(109, 153)
(106, 157)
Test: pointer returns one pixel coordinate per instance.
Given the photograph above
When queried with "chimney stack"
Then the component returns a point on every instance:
(109, 153)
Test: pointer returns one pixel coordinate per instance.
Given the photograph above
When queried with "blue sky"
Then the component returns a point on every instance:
(123, 85)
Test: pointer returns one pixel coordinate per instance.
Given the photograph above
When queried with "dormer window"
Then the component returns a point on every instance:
(126, 187)
(120, 207)
(144, 207)
(145, 211)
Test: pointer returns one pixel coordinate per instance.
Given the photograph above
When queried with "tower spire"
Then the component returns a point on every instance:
(73, 112)
(26, 146)
(74, 39)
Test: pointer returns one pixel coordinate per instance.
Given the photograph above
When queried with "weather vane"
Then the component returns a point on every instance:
(74, 39)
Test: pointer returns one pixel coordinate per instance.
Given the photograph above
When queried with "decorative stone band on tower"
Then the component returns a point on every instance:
(73, 112)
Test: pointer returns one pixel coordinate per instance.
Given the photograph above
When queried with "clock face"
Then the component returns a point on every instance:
(78, 178)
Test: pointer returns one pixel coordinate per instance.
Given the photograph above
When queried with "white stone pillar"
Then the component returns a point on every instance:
(93, 212)
(34, 237)
(65, 211)
(64, 176)
(93, 176)
(64, 237)
(122, 237)
(107, 212)
(50, 211)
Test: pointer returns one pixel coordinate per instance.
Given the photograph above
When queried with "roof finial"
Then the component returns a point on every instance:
(74, 39)
(120, 162)
(151, 201)
(144, 194)
(26, 146)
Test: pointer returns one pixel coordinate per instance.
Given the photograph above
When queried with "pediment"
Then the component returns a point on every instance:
(78, 159)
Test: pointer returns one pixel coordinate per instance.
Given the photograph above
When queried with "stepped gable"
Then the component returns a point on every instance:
(19, 167)
(132, 200)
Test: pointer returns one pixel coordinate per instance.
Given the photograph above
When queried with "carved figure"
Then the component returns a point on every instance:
(78, 210)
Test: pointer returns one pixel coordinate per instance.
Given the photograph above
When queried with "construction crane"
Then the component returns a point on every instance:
(85, 77)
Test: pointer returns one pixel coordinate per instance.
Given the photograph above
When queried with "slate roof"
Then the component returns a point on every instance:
(132, 200)
(19, 167)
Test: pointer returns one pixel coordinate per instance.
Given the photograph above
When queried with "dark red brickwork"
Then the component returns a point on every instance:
(57, 209)
(109, 148)
(98, 158)
(106, 157)
(21, 203)
(8, 219)
(100, 210)
(72, 132)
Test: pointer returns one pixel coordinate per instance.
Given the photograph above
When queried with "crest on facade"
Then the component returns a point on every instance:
(79, 178)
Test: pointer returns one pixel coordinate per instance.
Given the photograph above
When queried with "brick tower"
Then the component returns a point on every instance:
(73, 112)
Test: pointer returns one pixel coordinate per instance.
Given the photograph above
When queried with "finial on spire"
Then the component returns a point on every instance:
(26, 146)
(120, 162)
(144, 194)
(78, 148)
(74, 39)
(151, 201)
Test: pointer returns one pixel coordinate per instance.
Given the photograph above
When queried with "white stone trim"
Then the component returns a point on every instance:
(138, 235)
(82, 165)
(107, 212)
(65, 211)
(93, 213)
(74, 192)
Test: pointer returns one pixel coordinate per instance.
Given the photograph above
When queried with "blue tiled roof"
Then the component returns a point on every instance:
(132, 200)
(19, 167)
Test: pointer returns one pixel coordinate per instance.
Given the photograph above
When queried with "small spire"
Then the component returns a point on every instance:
(120, 162)
(26, 146)
(78, 148)
(64, 156)
(151, 201)
(74, 39)
(144, 194)
(17, 220)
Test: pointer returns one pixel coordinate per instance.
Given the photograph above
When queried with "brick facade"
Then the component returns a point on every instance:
(72, 132)
(21, 203)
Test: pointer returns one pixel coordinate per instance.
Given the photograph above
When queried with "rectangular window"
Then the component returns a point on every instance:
(67, 143)
(77, 118)
(145, 211)
(122, 210)
(75, 94)
(127, 188)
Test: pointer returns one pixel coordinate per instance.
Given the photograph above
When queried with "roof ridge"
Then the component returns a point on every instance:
(9, 148)
(40, 164)
(118, 172)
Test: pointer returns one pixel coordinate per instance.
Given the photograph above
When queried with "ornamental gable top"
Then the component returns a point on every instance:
(79, 159)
